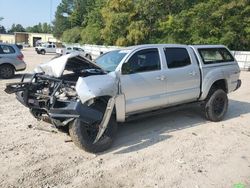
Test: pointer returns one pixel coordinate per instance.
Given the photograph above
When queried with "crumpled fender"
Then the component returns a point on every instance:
(96, 86)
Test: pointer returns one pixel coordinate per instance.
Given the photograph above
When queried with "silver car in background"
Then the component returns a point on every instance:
(11, 60)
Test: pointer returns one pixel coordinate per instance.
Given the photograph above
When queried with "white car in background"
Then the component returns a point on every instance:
(70, 49)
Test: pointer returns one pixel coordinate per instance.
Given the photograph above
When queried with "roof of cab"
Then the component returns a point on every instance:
(208, 46)
(142, 46)
(171, 45)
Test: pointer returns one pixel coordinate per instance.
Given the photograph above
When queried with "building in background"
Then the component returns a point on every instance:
(27, 38)
(7, 38)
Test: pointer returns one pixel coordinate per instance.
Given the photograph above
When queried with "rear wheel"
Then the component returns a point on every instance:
(84, 135)
(7, 71)
(216, 105)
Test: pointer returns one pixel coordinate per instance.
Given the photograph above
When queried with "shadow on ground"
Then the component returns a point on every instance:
(16, 77)
(142, 133)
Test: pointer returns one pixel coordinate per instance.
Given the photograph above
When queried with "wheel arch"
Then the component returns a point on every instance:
(10, 64)
(119, 108)
(218, 84)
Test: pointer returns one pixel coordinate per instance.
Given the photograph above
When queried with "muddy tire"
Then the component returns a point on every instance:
(7, 71)
(84, 135)
(216, 105)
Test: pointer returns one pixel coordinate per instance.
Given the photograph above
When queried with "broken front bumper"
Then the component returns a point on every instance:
(52, 107)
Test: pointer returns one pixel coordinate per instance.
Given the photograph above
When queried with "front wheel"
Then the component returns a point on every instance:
(216, 105)
(43, 52)
(84, 135)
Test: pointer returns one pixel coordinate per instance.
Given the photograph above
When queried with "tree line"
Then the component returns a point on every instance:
(131, 22)
(39, 28)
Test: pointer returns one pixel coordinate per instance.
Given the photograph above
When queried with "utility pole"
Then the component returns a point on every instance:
(50, 11)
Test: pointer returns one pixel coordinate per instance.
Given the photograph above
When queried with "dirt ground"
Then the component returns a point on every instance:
(177, 149)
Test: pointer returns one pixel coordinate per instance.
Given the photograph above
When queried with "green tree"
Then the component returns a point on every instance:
(62, 21)
(2, 28)
(79, 13)
(91, 33)
(46, 28)
(129, 22)
(71, 14)
(72, 35)
(116, 17)
(16, 28)
(210, 22)
(40, 28)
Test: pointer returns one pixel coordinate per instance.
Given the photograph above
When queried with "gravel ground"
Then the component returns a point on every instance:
(177, 149)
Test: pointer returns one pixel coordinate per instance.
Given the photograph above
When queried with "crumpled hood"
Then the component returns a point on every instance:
(56, 67)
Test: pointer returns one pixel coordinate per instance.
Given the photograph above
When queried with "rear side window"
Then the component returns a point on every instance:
(215, 55)
(177, 57)
(4, 49)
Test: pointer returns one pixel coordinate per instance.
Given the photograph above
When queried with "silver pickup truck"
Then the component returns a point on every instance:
(87, 99)
(46, 48)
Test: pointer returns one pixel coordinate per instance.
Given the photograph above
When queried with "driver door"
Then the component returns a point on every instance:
(143, 82)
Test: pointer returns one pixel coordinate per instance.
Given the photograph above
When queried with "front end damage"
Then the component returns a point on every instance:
(67, 89)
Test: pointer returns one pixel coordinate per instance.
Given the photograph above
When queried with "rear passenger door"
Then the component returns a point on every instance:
(183, 76)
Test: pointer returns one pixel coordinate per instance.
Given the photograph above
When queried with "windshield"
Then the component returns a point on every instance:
(110, 60)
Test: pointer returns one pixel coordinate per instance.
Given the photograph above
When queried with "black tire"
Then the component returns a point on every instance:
(83, 135)
(7, 71)
(216, 105)
(43, 52)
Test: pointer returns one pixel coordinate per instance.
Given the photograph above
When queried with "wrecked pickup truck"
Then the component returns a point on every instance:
(89, 98)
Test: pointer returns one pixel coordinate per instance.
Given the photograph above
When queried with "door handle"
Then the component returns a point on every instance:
(161, 78)
(193, 73)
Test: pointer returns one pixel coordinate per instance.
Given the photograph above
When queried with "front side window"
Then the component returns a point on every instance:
(143, 61)
(215, 55)
(177, 57)
(6, 49)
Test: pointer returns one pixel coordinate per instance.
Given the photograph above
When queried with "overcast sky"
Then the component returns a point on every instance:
(27, 12)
